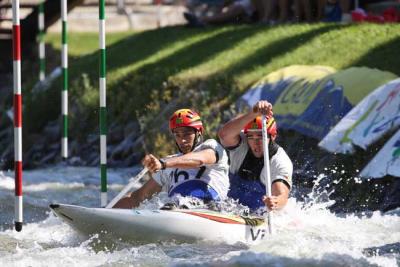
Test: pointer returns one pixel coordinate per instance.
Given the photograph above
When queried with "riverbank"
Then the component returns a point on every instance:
(150, 74)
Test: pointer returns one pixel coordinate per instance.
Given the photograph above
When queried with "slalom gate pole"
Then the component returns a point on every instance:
(17, 115)
(42, 60)
(64, 92)
(103, 106)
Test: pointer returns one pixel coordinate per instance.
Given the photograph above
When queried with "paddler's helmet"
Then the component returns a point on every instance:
(256, 126)
(186, 118)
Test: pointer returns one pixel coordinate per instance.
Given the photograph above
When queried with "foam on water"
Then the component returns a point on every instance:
(307, 233)
(6, 182)
(319, 235)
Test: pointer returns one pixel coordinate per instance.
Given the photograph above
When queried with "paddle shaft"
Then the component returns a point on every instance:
(127, 188)
(267, 167)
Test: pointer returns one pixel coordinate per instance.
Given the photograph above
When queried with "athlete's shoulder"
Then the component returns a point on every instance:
(222, 156)
(211, 141)
(282, 158)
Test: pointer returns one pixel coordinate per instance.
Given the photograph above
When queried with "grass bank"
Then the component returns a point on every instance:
(149, 74)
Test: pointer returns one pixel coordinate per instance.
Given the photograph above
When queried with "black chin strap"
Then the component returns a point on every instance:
(197, 140)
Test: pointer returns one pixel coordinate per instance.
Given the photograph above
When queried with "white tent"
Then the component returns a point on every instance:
(387, 161)
(375, 115)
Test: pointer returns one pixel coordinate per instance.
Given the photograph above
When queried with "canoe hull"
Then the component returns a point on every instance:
(147, 226)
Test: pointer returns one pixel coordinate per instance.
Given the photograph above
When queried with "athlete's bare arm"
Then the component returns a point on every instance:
(186, 161)
(229, 134)
(279, 198)
(134, 199)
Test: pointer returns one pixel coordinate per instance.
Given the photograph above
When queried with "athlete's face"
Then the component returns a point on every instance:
(184, 137)
(254, 139)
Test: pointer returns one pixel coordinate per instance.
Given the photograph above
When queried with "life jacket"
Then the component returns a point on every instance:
(196, 188)
(245, 185)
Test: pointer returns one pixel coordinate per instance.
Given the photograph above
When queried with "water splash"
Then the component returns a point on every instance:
(307, 232)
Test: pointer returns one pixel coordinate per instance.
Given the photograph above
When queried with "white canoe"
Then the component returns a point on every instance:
(146, 226)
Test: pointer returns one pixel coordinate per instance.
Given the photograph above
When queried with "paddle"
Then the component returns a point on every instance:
(127, 188)
(266, 165)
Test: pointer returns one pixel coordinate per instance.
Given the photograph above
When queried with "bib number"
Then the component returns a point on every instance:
(185, 175)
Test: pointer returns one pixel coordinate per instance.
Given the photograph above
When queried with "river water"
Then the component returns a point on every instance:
(307, 233)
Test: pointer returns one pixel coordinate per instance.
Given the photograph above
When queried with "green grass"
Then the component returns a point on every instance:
(80, 44)
(157, 71)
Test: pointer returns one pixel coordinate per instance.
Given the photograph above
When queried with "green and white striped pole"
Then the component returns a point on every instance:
(103, 107)
(64, 93)
(42, 66)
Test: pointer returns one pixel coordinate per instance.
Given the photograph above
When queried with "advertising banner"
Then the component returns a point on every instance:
(375, 115)
(386, 162)
(313, 99)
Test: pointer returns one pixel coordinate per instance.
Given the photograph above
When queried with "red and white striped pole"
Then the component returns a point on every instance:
(17, 115)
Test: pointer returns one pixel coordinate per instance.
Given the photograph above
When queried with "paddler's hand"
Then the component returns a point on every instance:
(152, 163)
(271, 202)
(263, 107)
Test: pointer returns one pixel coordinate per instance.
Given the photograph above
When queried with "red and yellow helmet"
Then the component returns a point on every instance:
(186, 118)
(256, 125)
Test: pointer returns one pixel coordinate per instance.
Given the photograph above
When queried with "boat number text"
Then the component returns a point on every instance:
(257, 234)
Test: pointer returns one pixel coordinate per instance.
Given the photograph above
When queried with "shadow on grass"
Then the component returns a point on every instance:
(373, 59)
(152, 76)
(141, 82)
(264, 55)
(149, 43)
(144, 86)
(135, 48)
(46, 106)
(148, 98)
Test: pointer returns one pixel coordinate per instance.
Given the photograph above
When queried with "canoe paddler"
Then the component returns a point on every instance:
(199, 170)
(242, 137)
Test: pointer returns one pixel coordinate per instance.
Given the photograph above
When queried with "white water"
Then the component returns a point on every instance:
(307, 234)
